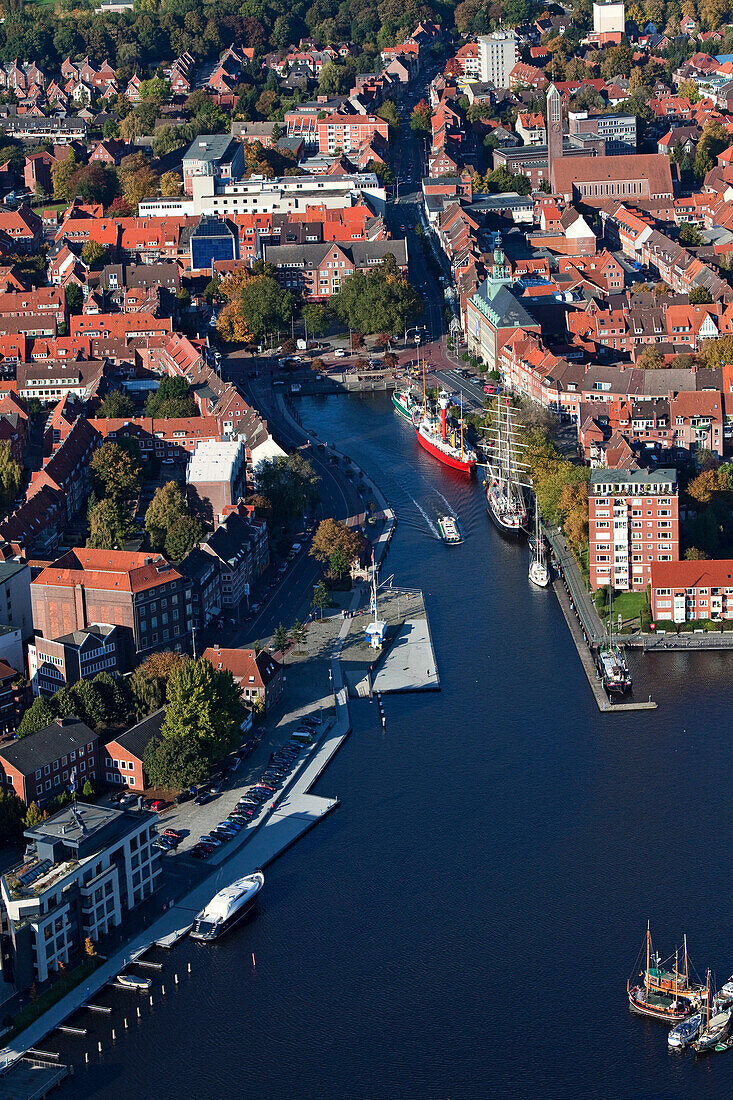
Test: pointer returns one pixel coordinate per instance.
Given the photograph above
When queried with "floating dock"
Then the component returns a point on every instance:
(31, 1079)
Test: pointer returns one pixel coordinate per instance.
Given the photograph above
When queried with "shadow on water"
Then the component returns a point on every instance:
(464, 924)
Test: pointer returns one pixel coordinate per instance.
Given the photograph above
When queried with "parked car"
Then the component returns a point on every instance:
(157, 805)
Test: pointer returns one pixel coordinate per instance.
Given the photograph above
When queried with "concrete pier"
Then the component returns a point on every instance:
(586, 659)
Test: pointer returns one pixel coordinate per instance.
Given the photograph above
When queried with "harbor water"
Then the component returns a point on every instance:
(465, 923)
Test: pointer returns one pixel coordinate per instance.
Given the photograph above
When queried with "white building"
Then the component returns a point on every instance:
(609, 17)
(259, 195)
(218, 471)
(85, 868)
(498, 54)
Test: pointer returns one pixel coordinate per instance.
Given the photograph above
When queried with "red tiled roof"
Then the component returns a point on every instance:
(245, 665)
(692, 574)
(108, 569)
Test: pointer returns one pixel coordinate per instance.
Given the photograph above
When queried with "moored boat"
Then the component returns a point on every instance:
(683, 1033)
(227, 907)
(614, 670)
(133, 981)
(666, 994)
(405, 403)
(441, 439)
(714, 1032)
(504, 487)
(539, 571)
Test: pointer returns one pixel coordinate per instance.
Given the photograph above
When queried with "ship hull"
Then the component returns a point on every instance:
(447, 460)
(400, 408)
(226, 925)
(654, 1012)
(503, 528)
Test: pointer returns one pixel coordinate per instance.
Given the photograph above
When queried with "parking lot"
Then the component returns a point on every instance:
(194, 821)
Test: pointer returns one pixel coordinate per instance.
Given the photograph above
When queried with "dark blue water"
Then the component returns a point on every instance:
(464, 925)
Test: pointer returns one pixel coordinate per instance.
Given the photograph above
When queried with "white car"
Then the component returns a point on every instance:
(340, 353)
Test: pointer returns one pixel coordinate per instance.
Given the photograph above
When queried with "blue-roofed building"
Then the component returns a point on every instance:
(212, 239)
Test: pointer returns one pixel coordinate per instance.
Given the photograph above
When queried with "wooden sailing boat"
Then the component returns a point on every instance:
(667, 995)
(612, 664)
(507, 475)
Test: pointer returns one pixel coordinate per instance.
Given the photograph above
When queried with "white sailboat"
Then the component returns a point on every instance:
(539, 571)
(507, 475)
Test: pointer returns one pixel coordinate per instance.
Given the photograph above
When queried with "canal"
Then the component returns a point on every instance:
(465, 923)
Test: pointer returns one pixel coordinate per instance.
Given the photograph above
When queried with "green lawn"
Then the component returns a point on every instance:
(629, 605)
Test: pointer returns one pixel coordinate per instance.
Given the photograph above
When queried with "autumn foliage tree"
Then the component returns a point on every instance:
(336, 544)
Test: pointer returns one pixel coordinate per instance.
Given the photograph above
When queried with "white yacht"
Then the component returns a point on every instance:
(539, 571)
(227, 907)
(132, 981)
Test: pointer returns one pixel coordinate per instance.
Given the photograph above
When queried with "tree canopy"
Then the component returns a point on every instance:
(115, 472)
(380, 301)
(290, 485)
(172, 398)
(11, 476)
(169, 523)
(336, 544)
(116, 404)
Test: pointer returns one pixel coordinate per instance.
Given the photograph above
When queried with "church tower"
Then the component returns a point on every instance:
(554, 132)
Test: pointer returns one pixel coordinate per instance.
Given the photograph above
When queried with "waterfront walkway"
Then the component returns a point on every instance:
(592, 625)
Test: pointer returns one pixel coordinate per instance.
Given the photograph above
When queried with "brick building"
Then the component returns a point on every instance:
(633, 522)
(240, 547)
(685, 591)
(259, 675)
(122, 757)
(142, 594)
(39, 766)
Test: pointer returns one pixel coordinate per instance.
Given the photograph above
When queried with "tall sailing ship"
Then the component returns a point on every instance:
(506, 482)
(664, 993)
(539, 570)
(612, 664)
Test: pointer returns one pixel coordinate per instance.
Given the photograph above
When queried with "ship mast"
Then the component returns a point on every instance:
(687, 966)
(648, 946)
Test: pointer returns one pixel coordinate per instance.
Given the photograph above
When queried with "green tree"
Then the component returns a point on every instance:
(173, 398)
(149, 680)
(320, 598)
(265, 306)
(164, 509)
(12, 811)
(94, 253)
(115, 472)
(33, 816)
(315, 319)
(11, 476)
(170, 184)
(204, 705)
(109, 525)
(338, 563)
(700, 295)
(40, 714)
(175, 763)
(650, 358)
(280, 637)
(420, 119)
(182, 536)
(715, 353)
(290, 484)
(381, 301)
(116, 405)
(88, 789)
(61, 173)
(74, 298)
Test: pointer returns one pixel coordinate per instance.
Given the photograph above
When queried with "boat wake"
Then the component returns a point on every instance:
(431, 524)
(449, 506)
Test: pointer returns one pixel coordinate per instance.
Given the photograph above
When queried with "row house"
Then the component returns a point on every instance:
(41, 301)
(39, 766)
(23, 227)
(633, 523)
(49, 380)
(692, 591)
(182, 74)
(21, 78)
(317, 271)
(120, 325)
(241, 548)
(172, 438)
(67, 470)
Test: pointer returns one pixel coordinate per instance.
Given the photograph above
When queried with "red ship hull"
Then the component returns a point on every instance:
(447, 460)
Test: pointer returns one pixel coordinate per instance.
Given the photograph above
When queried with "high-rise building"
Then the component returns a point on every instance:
(554, 132)
(609, 17)
(498, 54)
(633, 522)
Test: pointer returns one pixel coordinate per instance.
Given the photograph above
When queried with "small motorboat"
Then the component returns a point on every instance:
(715, 1031)
(683, 1033)
(725, 993)
(134, 981)
(449, 530)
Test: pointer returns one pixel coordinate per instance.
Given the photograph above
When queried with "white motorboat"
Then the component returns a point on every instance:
(683, 1033)
(449, 530)
(134, 981)
(227, 907)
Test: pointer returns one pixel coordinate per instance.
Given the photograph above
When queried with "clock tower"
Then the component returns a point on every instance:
(554, 132)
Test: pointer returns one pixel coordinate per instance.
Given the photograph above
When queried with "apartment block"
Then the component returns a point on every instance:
(498, 54)
(55, 662)
(691, 591)
(633, 522)
(85, 868)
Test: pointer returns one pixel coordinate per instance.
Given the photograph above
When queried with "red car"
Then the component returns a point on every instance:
(157, 805)
(489, 389)
(174, 833)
